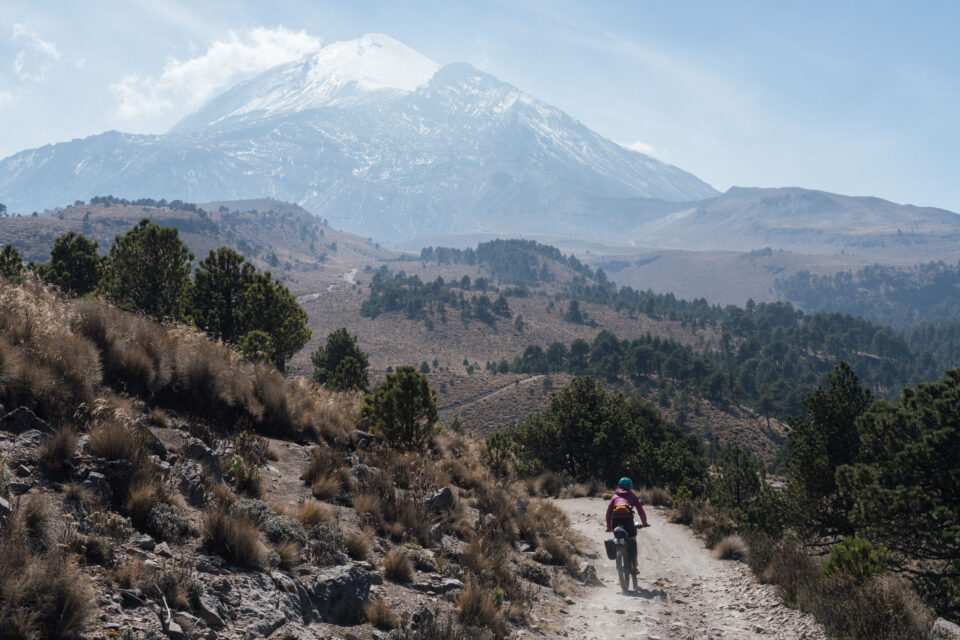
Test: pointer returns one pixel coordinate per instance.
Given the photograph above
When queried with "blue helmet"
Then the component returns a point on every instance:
(626, 483)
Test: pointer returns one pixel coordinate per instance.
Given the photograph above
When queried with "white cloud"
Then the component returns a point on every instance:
(639, 145)
(6, 97)
(190, 83)
(36, 56)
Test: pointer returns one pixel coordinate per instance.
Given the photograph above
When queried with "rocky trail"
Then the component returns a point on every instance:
(684, 592)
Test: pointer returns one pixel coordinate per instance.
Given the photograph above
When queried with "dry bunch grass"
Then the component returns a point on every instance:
(731, 547)
(657, 496)
(358, 544)
(311, 513)
(41, 355)
(289, 554)
(43, 594)
(397, 565)
(55, 450)
(234, 536)
(476, 607)
(380, 614)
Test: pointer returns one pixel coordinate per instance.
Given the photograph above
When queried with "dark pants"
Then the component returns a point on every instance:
(627, 523)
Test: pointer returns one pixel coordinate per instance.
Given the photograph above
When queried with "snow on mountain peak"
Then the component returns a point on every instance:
(374, 61)
(368, 69)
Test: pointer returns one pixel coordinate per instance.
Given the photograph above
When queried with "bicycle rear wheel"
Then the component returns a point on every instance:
(623, 571)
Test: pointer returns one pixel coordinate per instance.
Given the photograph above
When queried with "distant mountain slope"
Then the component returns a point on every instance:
(370, 135)
(801, 220)
(273, 235)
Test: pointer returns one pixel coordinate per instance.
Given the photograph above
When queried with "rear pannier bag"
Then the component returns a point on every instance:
(611, 546)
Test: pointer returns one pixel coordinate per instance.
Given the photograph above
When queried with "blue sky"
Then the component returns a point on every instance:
(858, 98)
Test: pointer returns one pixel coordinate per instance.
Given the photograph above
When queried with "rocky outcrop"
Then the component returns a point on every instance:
(339, 593)
(23, 419)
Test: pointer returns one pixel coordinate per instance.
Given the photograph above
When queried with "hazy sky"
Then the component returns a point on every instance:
(858, 98)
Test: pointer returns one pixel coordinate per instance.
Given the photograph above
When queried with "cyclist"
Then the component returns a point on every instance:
(620, 514)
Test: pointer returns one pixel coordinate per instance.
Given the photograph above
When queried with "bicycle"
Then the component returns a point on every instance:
(617, 550)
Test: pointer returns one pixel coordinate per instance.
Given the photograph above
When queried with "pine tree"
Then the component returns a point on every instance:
(402, 410)
(327, 359)
(11, 264)
(821, 443)
(220, 295)
(149, 271)
(75, 266)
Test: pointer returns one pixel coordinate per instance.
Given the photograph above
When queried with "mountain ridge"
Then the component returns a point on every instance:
(464, 152)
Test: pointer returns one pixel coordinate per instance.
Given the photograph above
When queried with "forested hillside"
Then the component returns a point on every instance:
(897, 297)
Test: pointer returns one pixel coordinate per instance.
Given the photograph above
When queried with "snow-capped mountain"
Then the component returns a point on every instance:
(377, 139)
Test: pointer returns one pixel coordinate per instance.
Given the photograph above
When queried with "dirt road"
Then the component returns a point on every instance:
(684, 592)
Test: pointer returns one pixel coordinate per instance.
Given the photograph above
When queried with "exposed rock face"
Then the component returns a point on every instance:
(22, 419)
(441, 500)
(340, 593)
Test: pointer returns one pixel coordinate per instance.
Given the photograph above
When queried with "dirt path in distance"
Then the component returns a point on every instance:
(684, 592)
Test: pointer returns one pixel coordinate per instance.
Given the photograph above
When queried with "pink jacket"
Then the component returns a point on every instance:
(627, 497)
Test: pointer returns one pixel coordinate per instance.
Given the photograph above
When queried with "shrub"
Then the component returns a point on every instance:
(251, 447)
(730, 548)
(358, 544)
(234, 536)
(244, 477)
(380, 614)
(167, 522)
(397, 566)
(55, 450)
(856, 558)
(284, 529)
(422, 559)
(327, 545)
(761, 550)
(535, 572)
(276, 527)
(111, 525)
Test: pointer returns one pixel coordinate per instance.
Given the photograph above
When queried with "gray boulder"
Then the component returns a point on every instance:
(191, 482)
(421, 616)
(360, 439)
(944, 630)
(209, 611)
(441, 500)
(195, 449)
(31, 438)
(588, 575)
(99, 485)
(340, 593)
(22, 419)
